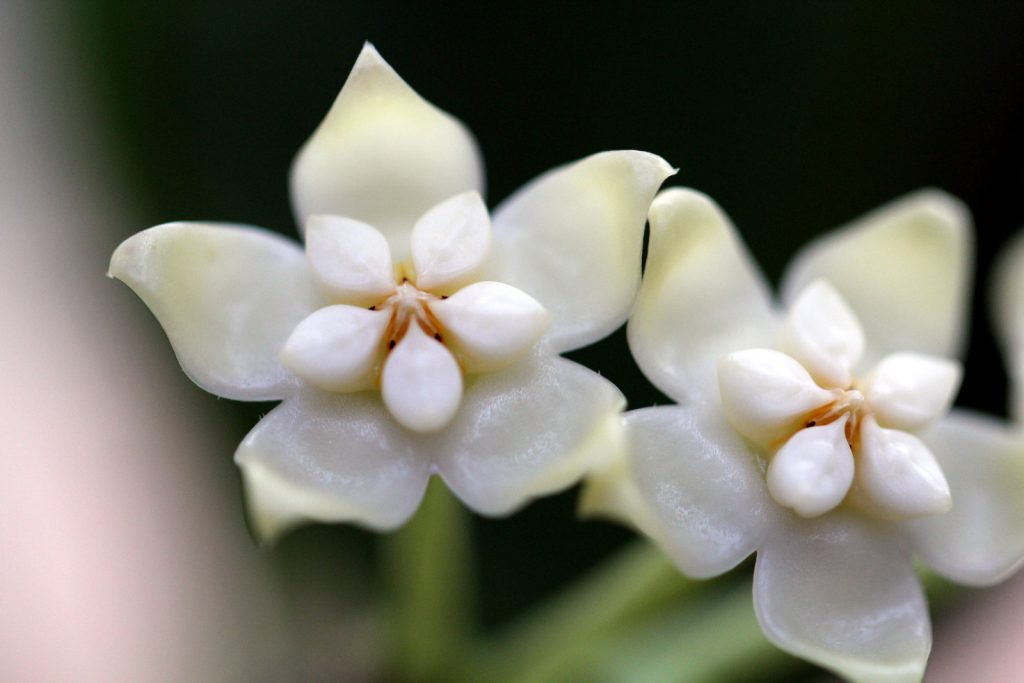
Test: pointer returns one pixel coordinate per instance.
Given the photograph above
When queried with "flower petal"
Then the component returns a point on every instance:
(527, 431)
(330, 458)
(812, 473)
(701, 297)
(767, 395)
(840, 591)
(421, 383)
(351, 259)
(981, 540)
(1008, 313)
(897, 475)
(572, 239)
(904, 269)
(491, 324)
(823, 334)
(909, 390)
(450, 243)
(227, 296)
(337, 347)
(692, 485)
(383, 155)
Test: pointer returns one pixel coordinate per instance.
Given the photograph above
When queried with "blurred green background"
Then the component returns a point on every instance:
(795, 116)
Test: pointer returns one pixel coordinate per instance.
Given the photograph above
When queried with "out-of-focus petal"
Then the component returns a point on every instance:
(841, 591)
(350, 259)
(981, 540)
(701, 297)
(904, 269)
(910, 390)
(450, 243)
(331, 457)
(490, 324)
(692, 485)
(823, 334)
(383, 155)
(572, 239)
(337, 347)
(526, 431)
(227, 296)
(1008, 312)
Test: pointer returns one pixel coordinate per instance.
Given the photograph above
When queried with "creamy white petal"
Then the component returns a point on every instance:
(421, 383)
(812, 472)
(692, 485)
(228, 296)
(383, 155)
(572, 239)
(840, 591)
(823, 334)
(529, 430)
(450, 243)
(1008, 314)
(905, 271)
(490, 324)
(337, 348)
(909, 390)
(767, 395)
(329, 458)
(701, 297)
(981, 540)
(350, 258)
(897, 475)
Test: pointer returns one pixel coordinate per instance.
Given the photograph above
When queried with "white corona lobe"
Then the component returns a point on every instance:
(910, 390)
(450, 243)
(336, 348)
(421, 383)
(823, 334)
(351, 259)
(813, 471)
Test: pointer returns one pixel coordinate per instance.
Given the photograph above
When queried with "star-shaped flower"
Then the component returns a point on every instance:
(409, 338)
(812, 432)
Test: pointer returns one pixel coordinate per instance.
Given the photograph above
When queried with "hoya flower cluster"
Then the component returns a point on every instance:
(418, 334)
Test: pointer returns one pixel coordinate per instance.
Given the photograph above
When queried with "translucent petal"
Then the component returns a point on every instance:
(337, 348)
(450, 243)
(701, 298)
(981, 540)
(572, 239)
(904, 269)
(840, 591)
(823, 334)
(351, 259)
(1008, 314)
(331, 457)
(529, 430)
(421, 383)
(812, 473)
(909, 390)
(897, 476)
(692, 485)
(767, 395)
(490, 324)
(383, 155)
(227, 296)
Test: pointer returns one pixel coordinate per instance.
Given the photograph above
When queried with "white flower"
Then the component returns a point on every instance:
(409, 339)
(784, 445)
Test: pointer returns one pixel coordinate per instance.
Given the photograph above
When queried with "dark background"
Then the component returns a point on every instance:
(795, 117)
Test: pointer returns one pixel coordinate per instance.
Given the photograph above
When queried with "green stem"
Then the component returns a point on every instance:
(543, 644)
(431, 581)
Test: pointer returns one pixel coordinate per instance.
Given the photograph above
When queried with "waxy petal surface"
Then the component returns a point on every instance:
(701, 298)
(904, 270)
(841, 591)
(981, 540)
(350, 259)
(383, 155)
(331, 457)
(337, 347)
(450, 243)
(823, 334)
(572, 239)
(227, 296)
